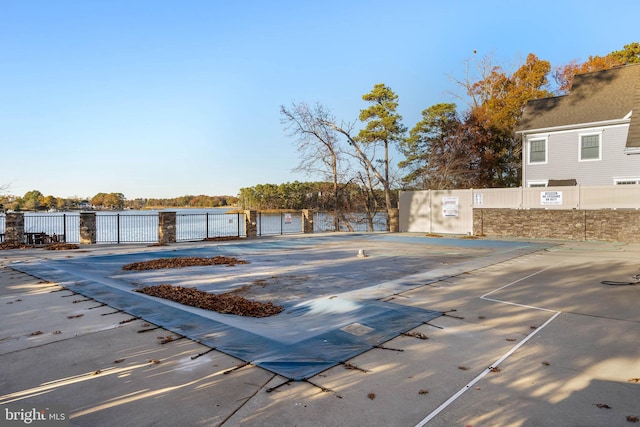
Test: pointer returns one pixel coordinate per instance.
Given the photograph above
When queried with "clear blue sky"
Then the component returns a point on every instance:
(154, 98)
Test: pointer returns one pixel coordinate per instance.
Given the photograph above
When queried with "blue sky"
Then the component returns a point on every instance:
(169, 98)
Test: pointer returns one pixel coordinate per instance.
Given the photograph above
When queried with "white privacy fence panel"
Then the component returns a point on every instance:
(610, 197)
(451, 211)
(550, 198)
(415, 211)
(436, 211)
(497, 197)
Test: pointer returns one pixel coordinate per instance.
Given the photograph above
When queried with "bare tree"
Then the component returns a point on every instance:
(318, 145)
(317, 137)
(370, 164)
(368, 183)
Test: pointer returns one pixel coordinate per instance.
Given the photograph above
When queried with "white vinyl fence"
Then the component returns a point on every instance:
(451, 211)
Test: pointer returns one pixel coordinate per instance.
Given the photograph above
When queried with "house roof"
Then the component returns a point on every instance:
(599, 96)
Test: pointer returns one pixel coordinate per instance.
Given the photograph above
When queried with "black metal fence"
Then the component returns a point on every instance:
(202, 226)
(271, 224)
(126, 228)
(143, 227)
(49, 228)
(358, 222)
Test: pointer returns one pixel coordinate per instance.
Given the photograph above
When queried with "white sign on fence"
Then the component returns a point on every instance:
(551, 197)
(477, 199)
(287, 218)
(450, 206)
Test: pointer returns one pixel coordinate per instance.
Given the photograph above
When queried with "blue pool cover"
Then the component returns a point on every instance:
(312, 334)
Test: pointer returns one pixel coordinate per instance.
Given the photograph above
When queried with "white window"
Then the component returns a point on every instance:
(626, 181)
(538, 150)
(590, 147)
(537, 183)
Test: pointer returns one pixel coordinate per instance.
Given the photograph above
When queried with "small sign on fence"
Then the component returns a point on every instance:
(450, 206)
(551, 197)
(287, 218)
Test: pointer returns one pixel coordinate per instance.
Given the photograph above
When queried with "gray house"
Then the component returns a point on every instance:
(590, 136)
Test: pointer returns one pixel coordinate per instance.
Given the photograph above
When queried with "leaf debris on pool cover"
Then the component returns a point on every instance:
(222, 303)
(182, 262)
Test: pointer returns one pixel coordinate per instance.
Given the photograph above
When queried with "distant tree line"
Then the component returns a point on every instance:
(35, 201)
(200, 201)
(310, 195)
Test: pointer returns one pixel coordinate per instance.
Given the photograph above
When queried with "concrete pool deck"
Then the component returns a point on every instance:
(535, 339)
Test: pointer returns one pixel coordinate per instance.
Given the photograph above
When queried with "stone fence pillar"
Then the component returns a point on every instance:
(307, 220)
(250, 224)
(166, 227)
(394, 220)
(87, 228)
(14, 228)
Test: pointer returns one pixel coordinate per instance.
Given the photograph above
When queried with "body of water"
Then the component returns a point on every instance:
(141, 226)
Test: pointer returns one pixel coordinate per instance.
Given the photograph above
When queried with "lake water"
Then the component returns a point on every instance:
(141, 226)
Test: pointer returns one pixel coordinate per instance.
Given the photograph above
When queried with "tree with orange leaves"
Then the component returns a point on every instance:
(499, 99)
(564, 74)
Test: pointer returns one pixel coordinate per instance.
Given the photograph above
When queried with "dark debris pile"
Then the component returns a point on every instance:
(182, 262)
(222, 303)
(61, 247)
(221, 239)
(49, 247)
(10, 245)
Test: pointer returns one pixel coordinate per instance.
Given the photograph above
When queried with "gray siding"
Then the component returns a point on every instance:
(562, 158)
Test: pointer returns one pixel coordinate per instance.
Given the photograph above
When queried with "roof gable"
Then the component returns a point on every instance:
(595, 97)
